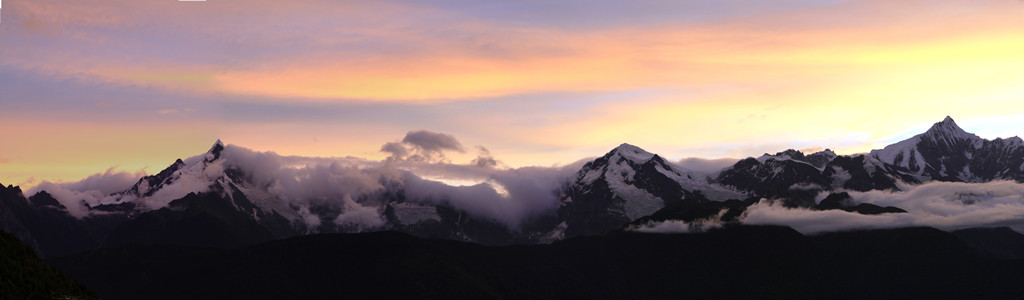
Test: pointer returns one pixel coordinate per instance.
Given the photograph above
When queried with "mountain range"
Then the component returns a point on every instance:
(234, 223)
(215, 199)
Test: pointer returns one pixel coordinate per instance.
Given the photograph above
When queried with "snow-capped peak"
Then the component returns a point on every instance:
(817, 160)
(632, 153)
(789, 154)
(626, 166)
(215, 150)
(192, 175)
(948, 130)
(617, 161)
(942, 136)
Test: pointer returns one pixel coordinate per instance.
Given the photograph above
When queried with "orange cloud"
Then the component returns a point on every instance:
(472, 59)
(852, 77)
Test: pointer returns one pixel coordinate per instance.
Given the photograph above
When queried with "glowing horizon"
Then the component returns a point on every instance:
(133, 86)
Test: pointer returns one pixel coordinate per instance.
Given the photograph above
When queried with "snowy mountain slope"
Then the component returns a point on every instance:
(817, 160)
(864, 173)
(207, 174)
(945, 152)
(948, 153)
(626, 184)
(231, 189)
(788, 174)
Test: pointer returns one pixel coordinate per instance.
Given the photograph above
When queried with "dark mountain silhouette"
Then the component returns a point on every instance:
(197, 220)
(997, 242)
(48, 227)
(24, 276)
(843, 201)
(732, 262)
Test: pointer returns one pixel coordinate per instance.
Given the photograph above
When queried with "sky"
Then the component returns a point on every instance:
(89, 86)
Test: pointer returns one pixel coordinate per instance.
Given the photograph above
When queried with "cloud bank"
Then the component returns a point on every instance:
(706, 165)
(347, 191)
(356, 187)
(943, 205)
(508, 196)
(92, 191)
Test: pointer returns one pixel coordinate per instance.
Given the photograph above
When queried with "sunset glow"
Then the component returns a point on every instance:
(134, 85)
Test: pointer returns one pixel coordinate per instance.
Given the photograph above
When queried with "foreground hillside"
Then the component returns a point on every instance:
(735, 262)
(24, 276)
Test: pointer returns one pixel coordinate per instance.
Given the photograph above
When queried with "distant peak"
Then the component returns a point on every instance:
(627, 146)
(215, 150)
(947, 125)
(948, 130)
(827, 152)
(788, 154)
(631, 152)
(791, 152)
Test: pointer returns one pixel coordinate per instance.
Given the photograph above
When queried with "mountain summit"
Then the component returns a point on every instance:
(948, 153)
(948, 132)
(633, 153)
(215, 150)
(626, 184)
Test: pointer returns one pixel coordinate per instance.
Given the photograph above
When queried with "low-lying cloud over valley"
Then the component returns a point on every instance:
(356, 188)
(353, 186)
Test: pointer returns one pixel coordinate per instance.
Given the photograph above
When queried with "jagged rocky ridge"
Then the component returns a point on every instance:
(948, 153)
(626, 184)
(943, 153)
(204, 201)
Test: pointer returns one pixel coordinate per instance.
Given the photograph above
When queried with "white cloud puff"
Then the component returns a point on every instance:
(92, 191)
(358, 216)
